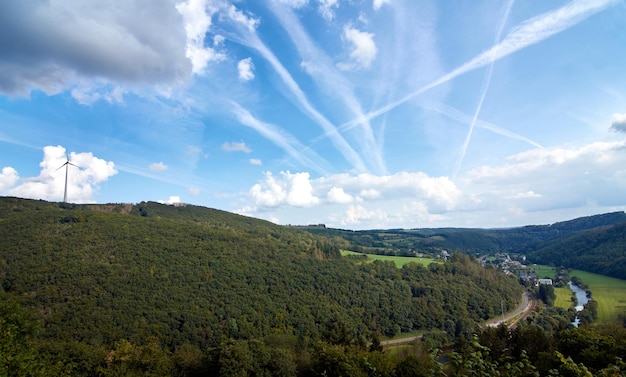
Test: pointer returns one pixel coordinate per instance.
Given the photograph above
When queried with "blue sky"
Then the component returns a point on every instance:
(354, 113)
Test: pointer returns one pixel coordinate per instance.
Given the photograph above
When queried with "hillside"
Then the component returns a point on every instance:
(102, 278)
(521, 240)
(601, 250)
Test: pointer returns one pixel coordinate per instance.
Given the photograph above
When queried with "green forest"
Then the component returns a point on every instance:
(156, 290)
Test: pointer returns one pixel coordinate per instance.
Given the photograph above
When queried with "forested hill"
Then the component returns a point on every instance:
(522, 240)
(601, 250)
(187, 288)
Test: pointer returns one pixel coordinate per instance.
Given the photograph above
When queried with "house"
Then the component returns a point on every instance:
(545, 281)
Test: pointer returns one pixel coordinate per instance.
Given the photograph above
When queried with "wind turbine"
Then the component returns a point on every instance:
(67, 165)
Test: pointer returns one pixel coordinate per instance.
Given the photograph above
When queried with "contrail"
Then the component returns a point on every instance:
(485, 88)
(327, 77)
(338, 141)
(528, 33)
(464, 118)
(277, 136)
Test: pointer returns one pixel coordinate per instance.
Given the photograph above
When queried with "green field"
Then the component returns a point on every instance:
(610, 293)
(543, 271)
(399, 261)
(563, 298)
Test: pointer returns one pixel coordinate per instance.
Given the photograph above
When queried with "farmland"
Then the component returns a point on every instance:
(399, 261)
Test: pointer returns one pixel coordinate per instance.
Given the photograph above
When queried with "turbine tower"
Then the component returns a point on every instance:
(67, 165)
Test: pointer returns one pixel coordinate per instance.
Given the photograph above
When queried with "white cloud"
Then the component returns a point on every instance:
(337, 195)
(439, 193)
(553, 178)
(174, 199)
(619, 122)
(236, 147)
(595, 158)
(363, 49)
(158, 166)
(369, 194)
(245, 68)
(357, 214)
(379, 3)
(197, 18)
(8, 178)
(326, 9)
(83, 177)
(239, 17)
(289, 189)
(194, 191)
(255, 161)
(531, 187)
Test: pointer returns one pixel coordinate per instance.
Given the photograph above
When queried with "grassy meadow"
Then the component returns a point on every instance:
(543, 271)
(610, 293)
(563, 297)
(399, 261)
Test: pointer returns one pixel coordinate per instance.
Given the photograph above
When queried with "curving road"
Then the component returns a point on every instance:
(521, 312)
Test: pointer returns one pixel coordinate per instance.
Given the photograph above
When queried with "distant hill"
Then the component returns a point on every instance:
(522, 240)
(601, 250)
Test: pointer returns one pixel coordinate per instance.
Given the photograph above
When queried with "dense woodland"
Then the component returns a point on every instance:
(155, 290)
(601, 250)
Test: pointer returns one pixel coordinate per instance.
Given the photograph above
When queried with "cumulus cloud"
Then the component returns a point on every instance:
(255, 161)
(174, 199)
(241, 18)
(337, 195)
(245, 68)
(8, 178)
(356, 214)
(158, 166)
(193, 191)
(363, 49)
(298, 189)
(54, 45)
(619, 122)
(288, 189)
(236, 147)
(197, 16)
(83, 177)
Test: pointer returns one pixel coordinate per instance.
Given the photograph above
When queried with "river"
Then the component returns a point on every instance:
(581, 299)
